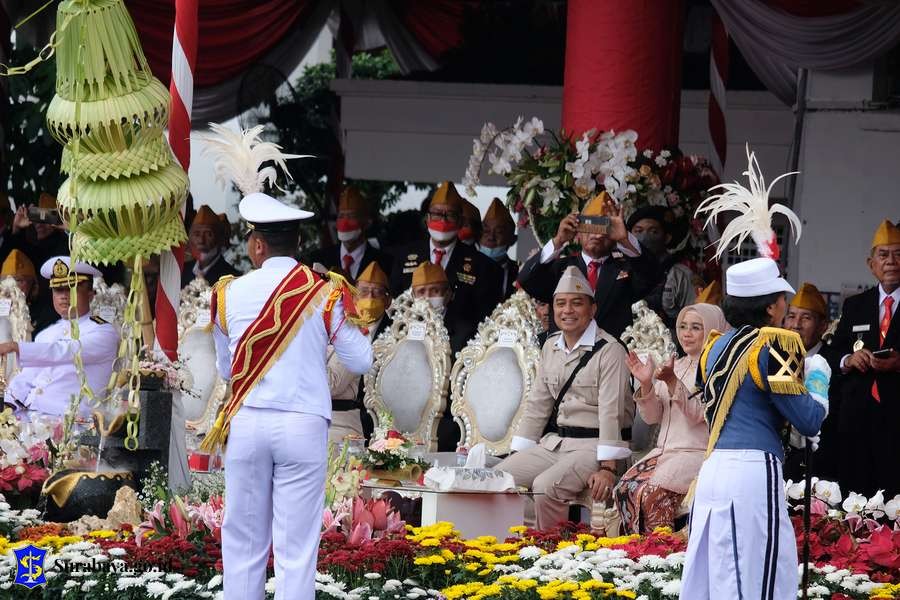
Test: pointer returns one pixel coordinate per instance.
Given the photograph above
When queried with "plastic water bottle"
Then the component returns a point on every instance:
(461, 455)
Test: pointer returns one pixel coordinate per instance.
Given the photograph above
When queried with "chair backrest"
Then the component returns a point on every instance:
(648, 334)
(493, 375)
(410, 374)
(193, 307)
(109, 302)
(15, 319)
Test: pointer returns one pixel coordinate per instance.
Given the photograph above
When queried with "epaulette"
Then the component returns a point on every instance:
(217, 303)
(785, 366)
(99, 320)
(707, 346)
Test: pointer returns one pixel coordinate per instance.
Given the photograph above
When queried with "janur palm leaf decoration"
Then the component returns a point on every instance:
(124, 189)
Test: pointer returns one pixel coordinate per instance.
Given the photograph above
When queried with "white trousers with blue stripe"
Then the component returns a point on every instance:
(742, 543)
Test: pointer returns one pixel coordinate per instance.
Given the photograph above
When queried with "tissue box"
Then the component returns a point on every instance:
(468, 479)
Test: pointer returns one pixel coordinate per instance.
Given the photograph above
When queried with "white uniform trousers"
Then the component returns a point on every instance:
(741, 543)
(275, 466)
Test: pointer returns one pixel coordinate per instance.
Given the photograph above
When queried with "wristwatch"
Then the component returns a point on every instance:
(605, 468)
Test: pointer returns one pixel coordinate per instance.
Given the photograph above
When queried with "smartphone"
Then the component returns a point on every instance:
(598, 224)
(883, 353)
(50, 216)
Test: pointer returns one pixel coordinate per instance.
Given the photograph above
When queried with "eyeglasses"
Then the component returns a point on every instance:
(440, 216)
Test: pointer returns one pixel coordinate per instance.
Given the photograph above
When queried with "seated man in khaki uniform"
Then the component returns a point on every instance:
(346, 389)
(581, 390)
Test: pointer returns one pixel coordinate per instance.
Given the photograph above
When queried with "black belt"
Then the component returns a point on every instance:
(587, 433)
(345, 405)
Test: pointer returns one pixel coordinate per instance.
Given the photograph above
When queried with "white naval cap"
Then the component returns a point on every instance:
(264, 213)
(58, 270)
(755, 277)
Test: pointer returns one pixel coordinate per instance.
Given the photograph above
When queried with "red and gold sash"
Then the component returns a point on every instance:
(296, 297)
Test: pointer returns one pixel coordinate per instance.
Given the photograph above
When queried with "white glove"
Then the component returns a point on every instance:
(798, 441)
(818, 376)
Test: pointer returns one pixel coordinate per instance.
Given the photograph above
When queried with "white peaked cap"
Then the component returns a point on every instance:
(80, 267)
(755, 277)
(259, 209)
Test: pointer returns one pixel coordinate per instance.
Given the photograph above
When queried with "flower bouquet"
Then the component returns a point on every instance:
(550, 180)
(25, 449)
(388, 456)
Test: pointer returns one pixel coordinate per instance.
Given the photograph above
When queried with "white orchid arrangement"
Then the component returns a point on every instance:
(550, 180)
(854, 505)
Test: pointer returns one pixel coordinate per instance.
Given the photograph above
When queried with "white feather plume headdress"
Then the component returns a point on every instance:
(755, 218)
(238, 156)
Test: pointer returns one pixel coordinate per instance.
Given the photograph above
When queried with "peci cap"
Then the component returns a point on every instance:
(428, 273)
(446, 195)
(755, 277)
(808, 297)
(205, 216)
(59, 273)
(711, 294)
(17, 265)
(373, 274)
(886, 234)
(498, 212)
(352, 199)
(573, 281)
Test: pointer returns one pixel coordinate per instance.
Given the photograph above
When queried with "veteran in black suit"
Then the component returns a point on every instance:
(474, 278)
(615, 264)
(865, 393)
(353, 253)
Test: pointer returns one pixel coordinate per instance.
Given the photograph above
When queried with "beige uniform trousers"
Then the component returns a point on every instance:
(344, 423)
(557, 477)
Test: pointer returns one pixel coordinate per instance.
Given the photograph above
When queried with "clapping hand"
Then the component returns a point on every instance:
(641, 371)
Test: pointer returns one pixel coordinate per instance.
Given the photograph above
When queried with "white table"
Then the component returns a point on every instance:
(472, 513)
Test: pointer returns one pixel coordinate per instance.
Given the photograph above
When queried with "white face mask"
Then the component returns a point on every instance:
(441, 236)
(348, 236)
(437, 303)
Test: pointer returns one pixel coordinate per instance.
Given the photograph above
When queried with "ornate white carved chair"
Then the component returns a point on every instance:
(109, 302)
(410, 374)
(15, 320)
(494, 373)
(197, 350)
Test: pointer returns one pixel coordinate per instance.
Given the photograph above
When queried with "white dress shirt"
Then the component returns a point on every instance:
(881, 308)
(357, 255)
(448, 250)
(297, 382)
(550, 252)
(587, 339)
(48, 377)
(202, 271)
(881, 296)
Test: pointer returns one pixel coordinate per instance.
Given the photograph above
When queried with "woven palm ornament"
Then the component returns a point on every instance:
(124, 192)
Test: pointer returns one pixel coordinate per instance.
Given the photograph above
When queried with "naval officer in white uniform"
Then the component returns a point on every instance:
(276, 453)
(48, 377)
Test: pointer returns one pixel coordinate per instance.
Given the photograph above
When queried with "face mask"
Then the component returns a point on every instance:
(656, 243)
(466, 236)
(348, 229)
(439, 235)
(497, 253)
(370, 309)
(437, 303)
(348, 236)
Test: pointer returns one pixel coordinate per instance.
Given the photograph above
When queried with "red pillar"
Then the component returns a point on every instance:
(623, 68)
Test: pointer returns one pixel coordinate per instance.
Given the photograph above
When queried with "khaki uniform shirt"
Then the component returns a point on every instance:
(599, 397)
